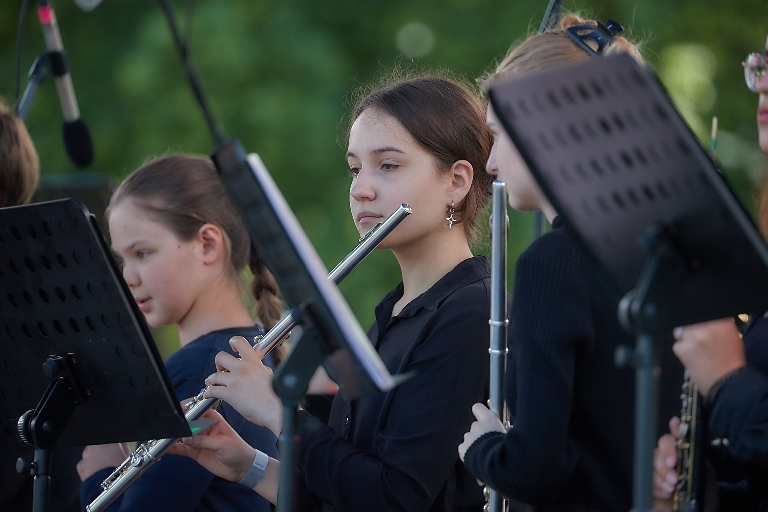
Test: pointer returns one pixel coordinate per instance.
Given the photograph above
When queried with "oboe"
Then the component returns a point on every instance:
(146, 454)
(495, 502)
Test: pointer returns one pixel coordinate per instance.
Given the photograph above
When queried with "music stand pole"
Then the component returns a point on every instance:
(41, 480)
(290, 383)
(644, 311)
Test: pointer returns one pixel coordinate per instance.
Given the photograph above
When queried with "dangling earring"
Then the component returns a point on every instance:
(450, 219)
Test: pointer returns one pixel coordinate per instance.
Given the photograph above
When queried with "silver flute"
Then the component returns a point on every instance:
(495, 501)
(146, 454)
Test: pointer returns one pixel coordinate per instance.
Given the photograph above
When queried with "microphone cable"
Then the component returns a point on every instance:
(183, 48)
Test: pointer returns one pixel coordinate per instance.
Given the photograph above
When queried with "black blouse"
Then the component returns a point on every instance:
(571, 446)
(398, 450)
(740, 415)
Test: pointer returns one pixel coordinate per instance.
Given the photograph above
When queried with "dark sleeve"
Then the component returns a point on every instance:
(550, 323)
(740, 414)
(415, 449)
(174, 483)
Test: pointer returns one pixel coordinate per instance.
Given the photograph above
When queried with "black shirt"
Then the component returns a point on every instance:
(398, 450)
(740, 415)
(571, 446)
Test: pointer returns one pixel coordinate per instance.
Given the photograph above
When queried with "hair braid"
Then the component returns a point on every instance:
(269, 306)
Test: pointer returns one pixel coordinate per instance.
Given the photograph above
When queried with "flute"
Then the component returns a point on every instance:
(498, 321)
(146, 454)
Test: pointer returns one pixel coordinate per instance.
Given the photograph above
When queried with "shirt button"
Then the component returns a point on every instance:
(346, 421)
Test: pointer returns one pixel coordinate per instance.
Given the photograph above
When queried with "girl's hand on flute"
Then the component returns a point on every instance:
(219, 449)
(98, 457)
(709, 351)
(665, 468)
(246, 384)
(485, 422)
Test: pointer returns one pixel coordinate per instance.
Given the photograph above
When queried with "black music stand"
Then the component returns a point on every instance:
(330, 333)
(78, 365)
(619, 164)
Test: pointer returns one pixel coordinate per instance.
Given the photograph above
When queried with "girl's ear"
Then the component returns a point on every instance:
(211, 239)
(461, 174)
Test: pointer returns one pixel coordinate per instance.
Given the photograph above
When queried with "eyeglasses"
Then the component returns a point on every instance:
(600, 34)
(754, 70)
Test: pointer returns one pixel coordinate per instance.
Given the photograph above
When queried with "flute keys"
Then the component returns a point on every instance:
(136, 459)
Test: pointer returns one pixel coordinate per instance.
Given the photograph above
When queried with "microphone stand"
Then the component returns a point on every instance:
(551, 17)
(39, 71)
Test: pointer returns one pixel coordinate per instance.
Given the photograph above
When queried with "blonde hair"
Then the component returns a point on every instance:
(552, 48)
(19, 163)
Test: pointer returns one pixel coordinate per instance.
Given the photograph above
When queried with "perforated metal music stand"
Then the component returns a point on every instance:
(622, 168)
(331, 334)
(78, 365)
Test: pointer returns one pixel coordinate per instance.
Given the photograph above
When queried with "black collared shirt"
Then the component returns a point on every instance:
(398, 450)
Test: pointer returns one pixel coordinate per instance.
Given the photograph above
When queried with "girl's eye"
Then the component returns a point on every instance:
(142, 254)
(389, 167)
(354, 171)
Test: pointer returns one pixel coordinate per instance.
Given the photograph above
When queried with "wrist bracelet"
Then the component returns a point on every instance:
(256, 471)
(712, 393)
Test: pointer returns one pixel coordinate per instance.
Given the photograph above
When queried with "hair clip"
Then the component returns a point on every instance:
(600, 34)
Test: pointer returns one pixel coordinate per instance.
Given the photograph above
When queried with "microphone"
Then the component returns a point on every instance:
(77, 138)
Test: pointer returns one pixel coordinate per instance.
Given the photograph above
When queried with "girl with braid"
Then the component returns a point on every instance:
(182, 247)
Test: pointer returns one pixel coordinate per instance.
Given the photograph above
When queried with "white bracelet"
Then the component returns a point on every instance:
(256, 471)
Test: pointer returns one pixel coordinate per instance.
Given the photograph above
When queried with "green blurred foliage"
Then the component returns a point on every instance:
(278, 77)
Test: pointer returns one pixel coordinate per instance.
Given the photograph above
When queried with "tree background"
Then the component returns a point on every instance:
(278, 77)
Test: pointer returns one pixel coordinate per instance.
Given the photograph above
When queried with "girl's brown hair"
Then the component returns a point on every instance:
(444, 117)
(19, 163)
(184, 192)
